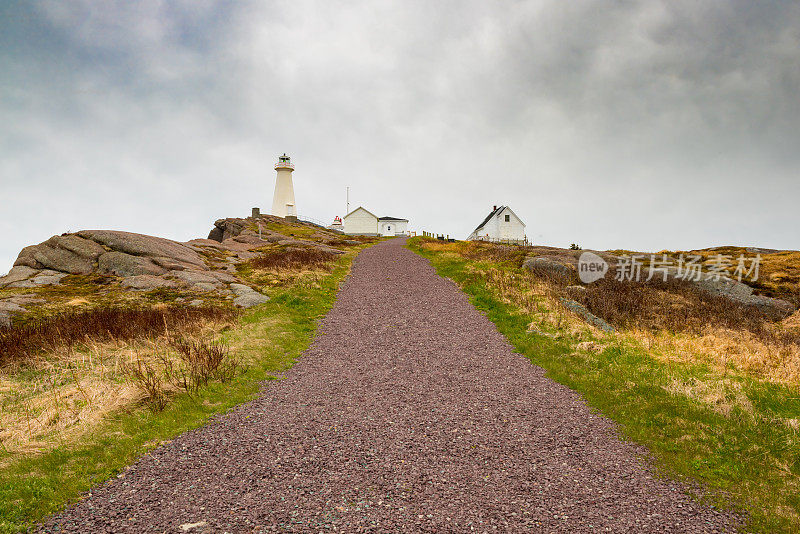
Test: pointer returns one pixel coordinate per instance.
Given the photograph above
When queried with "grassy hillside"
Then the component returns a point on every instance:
(710, 390)
(91, 389)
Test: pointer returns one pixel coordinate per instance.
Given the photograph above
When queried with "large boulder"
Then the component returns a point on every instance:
(227, 228)
(737, 291)
(248, 300)
(166, 252)
(65, 253)
(247, 297)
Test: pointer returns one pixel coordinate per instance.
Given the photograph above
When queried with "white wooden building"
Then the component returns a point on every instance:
(389, 226)
(361, 221)
(501, 225)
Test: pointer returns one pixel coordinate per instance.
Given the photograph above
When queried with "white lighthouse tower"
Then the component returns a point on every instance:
(283, 201)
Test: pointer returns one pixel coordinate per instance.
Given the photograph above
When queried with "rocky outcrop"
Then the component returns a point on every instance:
(142, 261)
(23, 276)
(65, 253)
(166, 253)
(103, 251)
(733, 290)
(238, 235)
(227, 228)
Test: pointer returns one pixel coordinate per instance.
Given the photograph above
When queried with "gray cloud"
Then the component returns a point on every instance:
(643, 125)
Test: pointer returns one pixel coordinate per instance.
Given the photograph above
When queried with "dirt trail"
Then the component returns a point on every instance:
(408, 413)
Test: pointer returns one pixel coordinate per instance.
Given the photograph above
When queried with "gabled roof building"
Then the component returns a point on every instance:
(501, 225)
(361, 221)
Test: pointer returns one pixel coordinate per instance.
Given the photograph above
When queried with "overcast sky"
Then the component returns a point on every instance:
(639, 125)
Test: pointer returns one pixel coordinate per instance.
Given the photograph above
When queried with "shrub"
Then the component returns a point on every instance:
(676, 306)
(294, 259)
(198, 363)
(22, 341)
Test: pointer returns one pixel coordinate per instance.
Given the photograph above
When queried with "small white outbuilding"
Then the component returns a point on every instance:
(391, 226)
(361, 221)
(501, 225)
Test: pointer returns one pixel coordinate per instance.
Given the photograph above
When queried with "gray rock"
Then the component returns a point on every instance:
(249, 239)
(59, 259)
(776, 309)
(22, 284)
(124, 265)
(723, 287)
(223, 276)
(25, 299)
(194, 277)
(739, 292)
(205, 286)
(48, 279)
(17, 274)
(248, 300)
(548, 267)
(196, 303)
(241, 289)
(10, 307)
(68, 254)
(588, 316)
(146, 245)
(147, 282)
(216, 234)
(227, 228)
(5, 319)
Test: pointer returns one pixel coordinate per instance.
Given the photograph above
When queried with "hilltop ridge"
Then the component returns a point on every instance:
(118, 266)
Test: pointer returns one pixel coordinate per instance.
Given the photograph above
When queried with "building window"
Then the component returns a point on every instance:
(508, 218)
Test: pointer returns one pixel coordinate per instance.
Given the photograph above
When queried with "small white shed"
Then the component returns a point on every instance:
(501, 225)
(361, 221)
(390, 226)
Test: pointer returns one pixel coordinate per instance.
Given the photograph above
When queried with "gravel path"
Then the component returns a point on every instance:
(409, 412)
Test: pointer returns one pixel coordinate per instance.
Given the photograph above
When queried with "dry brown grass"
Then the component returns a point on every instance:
(294, 259)
(56, 396)
(23, 341)
(723, 396)
(673, 321)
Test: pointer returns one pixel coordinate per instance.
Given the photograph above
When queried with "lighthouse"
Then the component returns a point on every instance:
(283, 200)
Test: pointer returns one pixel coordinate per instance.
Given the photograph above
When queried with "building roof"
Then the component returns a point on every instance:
(391, 219)
(489, 217)
(359, 208)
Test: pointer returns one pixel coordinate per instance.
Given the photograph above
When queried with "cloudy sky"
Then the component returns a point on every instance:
(641, 125)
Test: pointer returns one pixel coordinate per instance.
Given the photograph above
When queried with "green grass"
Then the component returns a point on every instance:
(269, 338)
(748, 460)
